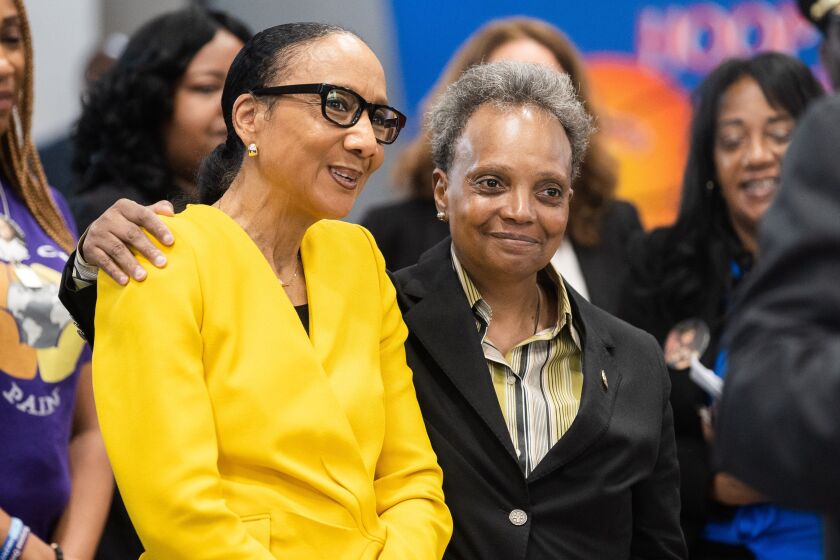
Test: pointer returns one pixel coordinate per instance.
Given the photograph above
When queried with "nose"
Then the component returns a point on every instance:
(360, 137)
(519, 205)
(760, 152)
(6, 68)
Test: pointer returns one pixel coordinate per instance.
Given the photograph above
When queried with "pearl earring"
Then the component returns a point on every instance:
(441, 215)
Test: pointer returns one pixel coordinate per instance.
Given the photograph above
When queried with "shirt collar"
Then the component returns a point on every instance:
(481, 308)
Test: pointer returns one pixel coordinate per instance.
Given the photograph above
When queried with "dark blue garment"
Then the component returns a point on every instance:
(771, 532)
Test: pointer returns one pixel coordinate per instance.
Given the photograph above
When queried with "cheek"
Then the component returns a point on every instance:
(18, 62)
(781, 151)
(727, 169)
(554, 222)
(469, 211)
(378, 159)
(196, 115)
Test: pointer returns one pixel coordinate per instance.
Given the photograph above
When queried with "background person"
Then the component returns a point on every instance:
(281, 420)
(148, 123)
(549, 417)
(54, 475)
(745, 112)
(593, 258)
(778, 426)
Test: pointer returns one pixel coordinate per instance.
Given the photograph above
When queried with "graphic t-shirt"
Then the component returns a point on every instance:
(40, 357)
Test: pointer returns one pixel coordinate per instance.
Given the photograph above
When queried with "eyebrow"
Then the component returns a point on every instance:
(204, 73)
(507, 169)
(381, 101)
(779, 117)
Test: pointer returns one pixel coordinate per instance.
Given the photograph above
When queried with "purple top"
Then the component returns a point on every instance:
(40, 358)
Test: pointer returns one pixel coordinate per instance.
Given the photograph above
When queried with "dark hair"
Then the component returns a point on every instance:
(262, 61)
(596, 184)
(702, 234)
(118, 137)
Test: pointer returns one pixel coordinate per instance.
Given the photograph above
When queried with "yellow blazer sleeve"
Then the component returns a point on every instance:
(408, 480)
(157, 417)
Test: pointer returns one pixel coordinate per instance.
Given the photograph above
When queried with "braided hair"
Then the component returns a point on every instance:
(19, 160)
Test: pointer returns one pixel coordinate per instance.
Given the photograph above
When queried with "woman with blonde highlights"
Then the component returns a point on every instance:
(55, 482)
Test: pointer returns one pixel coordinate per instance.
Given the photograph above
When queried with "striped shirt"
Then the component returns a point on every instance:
(539, 382)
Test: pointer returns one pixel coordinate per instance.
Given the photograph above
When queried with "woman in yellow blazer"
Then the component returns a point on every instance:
(253, 394)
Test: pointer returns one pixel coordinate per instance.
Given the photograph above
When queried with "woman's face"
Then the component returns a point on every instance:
(12, 61)
(320, 166)
(197, 125)
(751, 139)
(525, 50)
(507, 192)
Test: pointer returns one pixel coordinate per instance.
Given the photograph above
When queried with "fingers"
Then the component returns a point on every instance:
(163, 207)
(101, 259)
(111, 237)
(145, 217)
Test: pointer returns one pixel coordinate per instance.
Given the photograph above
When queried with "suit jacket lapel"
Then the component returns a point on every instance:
(445, 326)
(597, 396)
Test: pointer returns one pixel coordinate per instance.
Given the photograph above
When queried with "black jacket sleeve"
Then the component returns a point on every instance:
(80, 302)
(779, 418)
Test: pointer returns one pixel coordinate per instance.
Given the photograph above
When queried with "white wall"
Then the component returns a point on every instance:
(65, 33)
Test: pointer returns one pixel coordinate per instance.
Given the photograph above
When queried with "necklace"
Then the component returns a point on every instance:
(539, 302)
(12, 237)
(294, 276)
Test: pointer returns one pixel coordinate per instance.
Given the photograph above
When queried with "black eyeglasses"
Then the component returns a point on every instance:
(343, 107)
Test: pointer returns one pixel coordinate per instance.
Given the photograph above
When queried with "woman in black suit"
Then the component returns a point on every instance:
(593, 256)
(549, 417)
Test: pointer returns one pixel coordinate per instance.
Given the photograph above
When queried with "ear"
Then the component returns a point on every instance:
(441, 182)
(244, 114)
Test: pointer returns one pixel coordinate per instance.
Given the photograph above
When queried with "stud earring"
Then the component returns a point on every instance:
(441, 215)
(252, 150)
(710, 185)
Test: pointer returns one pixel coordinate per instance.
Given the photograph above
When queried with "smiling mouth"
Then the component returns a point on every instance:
(516, 237)
(761, 188)
(347, 178)
(6, 100)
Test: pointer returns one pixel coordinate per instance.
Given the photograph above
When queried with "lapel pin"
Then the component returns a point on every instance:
(604, 380)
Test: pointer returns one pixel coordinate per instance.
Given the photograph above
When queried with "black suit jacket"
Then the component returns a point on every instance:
(606, 266)
(607, 490)
(80, 303)
(779, 418)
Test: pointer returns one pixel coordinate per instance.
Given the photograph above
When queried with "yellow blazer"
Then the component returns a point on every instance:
(234, 435)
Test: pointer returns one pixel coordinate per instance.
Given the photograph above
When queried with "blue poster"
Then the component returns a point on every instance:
(643, 60)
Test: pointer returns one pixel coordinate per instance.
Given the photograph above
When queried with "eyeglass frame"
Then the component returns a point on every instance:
(323, 90)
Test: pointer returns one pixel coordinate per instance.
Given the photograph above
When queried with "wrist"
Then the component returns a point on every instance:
(15, 540)
(80, 252)
(36, 549)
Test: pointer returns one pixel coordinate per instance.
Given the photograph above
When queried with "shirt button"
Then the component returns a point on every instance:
(518, 517)
(511, 380)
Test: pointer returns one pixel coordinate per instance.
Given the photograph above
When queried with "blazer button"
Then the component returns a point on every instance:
(518, 517)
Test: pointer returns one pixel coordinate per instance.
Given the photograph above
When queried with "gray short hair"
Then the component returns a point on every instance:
(507, 84)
